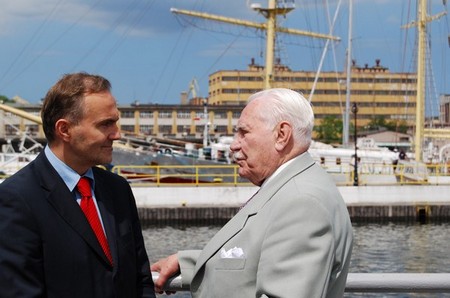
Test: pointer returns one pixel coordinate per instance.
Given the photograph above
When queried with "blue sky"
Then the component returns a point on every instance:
(151, 55)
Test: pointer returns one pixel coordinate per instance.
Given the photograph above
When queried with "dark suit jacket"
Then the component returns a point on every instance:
(48, 249)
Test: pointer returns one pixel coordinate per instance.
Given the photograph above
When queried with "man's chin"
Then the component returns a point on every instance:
(106, 160)
(242, 172)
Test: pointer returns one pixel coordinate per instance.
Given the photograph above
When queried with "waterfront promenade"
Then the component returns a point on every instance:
(383, 202)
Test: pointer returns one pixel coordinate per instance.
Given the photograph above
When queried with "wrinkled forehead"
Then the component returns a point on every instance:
(253, 114)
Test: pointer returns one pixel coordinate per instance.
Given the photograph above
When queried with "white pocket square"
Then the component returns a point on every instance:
(235, 252)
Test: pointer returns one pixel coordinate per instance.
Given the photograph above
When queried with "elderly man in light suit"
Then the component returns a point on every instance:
(294, 237)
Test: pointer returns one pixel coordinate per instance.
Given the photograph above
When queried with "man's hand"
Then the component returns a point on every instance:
(166, 268)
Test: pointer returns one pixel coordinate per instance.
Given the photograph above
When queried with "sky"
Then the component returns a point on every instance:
(151, 55)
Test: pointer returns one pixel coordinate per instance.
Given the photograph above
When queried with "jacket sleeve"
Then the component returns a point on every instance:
(145, 284)
(21, 263)
(187, 260)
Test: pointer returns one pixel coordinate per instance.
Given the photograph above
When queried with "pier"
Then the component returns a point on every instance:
(217, 204)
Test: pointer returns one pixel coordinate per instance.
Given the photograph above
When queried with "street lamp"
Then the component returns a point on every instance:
(355, 176)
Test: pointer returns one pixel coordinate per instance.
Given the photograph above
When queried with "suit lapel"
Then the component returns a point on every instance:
(238, 222)
(59, 196)
(228, 231)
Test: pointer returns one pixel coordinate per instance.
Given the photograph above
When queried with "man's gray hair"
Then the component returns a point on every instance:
(291, 106)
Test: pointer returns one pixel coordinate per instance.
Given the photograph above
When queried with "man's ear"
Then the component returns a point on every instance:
(62, 129)
(284, 134)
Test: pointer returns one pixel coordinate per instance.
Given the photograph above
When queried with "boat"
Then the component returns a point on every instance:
(140, 160)
(12, 160)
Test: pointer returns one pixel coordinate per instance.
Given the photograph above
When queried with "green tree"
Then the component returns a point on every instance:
(394, 125)
(397, 126)
(4, 99)
(329, 130)
(376, 123)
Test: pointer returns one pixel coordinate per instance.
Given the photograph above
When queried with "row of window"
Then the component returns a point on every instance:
(371, 80)
(167, 129)
(370, 116)
(323, 92)
(180, 115)
(367, 104)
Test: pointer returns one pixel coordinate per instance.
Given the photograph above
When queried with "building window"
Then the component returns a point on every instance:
(220, 115)
(11, 129)
(146, 129)
(221, 129)
(146, 114)
(165, 129)
(199, 115)
(127, 128)
(200, 128)
(32, 129)
(127, 114)
(165, 114)
(183, 115)
(236, 115)
(230, 79)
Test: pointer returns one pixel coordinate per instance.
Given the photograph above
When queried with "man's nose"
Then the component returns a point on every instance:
(234, 146)
(116, 134)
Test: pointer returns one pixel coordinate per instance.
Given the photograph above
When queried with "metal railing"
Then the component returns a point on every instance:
(227, 175)
(370, 283)
(198, 175)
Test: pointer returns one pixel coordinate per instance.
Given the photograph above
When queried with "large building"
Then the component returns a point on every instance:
(375, 90)
(179, 121)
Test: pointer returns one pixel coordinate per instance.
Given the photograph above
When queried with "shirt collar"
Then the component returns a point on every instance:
(69, 176)
(280, 169)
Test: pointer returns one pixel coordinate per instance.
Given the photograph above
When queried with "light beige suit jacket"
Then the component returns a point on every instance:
(296, 238)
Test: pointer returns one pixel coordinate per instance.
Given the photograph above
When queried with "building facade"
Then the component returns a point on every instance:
(179, 121)
(376, 90)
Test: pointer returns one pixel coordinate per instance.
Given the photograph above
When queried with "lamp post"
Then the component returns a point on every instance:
(355, 176)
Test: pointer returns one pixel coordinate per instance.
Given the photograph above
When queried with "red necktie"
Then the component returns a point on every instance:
(88, 207)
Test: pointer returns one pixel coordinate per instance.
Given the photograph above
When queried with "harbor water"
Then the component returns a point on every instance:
(378, 248)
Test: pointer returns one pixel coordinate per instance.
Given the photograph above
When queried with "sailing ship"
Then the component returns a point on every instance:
(343, 160)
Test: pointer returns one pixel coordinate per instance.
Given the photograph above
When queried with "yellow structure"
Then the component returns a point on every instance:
(274, 9)
(376, 90)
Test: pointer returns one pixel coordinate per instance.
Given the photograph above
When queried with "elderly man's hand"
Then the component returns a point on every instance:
(166, 268)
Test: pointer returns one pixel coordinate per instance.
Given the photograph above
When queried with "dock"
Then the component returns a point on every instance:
(217, 204)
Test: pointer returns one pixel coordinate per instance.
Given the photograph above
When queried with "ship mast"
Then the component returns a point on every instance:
(422, 19)
(346, 124)
(270, 13)
(421, 60)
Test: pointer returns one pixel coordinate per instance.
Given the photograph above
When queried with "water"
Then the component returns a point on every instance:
(388, 248)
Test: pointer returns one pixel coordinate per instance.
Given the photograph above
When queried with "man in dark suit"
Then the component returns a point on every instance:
(47, 245)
